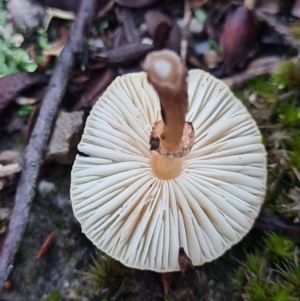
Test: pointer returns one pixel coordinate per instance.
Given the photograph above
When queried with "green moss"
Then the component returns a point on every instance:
(60, 224)
(281, 293)
(279, 248)
(252, 267)
(66, 250)
(295, 31)
(264, 88)
(287, 76)
(54, 296)
(289, 115)
(239, 94)
(32, 275)
(21, 254)
(292, 145)
(106, 272)
(291, 275)
(256, 290)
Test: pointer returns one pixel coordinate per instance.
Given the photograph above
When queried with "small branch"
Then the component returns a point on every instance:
(268, 222)
(278, 27)
(123, 55)
(125, 18)
(185, 31)
(44, 248)
(40, 136)
(252, 72)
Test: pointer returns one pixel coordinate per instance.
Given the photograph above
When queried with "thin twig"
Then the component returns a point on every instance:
(40, 136)
(124, 16)
(278, 27)
(250, 73)
(185, 30)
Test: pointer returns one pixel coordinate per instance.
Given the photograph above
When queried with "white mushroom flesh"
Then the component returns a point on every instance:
(141, 220)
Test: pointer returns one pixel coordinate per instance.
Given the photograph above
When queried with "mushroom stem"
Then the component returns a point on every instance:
(168, 75)
(165, 168)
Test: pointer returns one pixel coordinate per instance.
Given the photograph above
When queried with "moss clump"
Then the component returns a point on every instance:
(295, 31)
(253, 266)
(256, 279)
(279, 248)
(60, 224)
(289, 115)
(287, 76)
(54, 296)
(292, 145)
(264, 88)
(106, 272)
(291, 275)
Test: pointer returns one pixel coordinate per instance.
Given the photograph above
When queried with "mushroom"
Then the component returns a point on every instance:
(200, 183)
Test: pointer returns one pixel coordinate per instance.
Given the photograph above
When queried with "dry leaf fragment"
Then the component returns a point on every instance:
(10, 169)
(156, 22)
(9, 156)
(64, 5)
(185, 264)
(55, 48)
(44, 248)
(237, 38)
(211, 59)
(124, 54)
(21, 100)
(94, 88)
(270, 7)
(12, 85)
(296, 9)
(135, 4)
(57, 13)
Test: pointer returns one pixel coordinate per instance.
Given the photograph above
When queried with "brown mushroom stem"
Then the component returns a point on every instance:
(168, 75)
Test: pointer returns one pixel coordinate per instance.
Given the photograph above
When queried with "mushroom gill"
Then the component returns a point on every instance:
(141, 219)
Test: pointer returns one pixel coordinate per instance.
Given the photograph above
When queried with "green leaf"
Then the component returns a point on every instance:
(214, 45)
(101, 26)
(42, 39)
(200, 15)
(25, 110)
(30, 66)
(2, 14)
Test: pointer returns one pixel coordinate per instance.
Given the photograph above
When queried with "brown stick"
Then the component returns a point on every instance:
(280, 28)
(40, 136)
(252, 72)
(44, 248)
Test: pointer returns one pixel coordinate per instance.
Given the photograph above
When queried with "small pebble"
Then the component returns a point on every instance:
(195, 26)
(201, 47)
(45, 188)
(7, 285)
(211, 58)
(66, 284)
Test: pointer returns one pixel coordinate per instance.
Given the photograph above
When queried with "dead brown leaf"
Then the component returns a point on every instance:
(237, 38)
(296, 9)
(163, 30)
(135, 3)
(12, 85)
(8, 170)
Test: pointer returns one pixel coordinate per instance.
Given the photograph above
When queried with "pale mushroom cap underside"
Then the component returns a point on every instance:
(141, 220)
